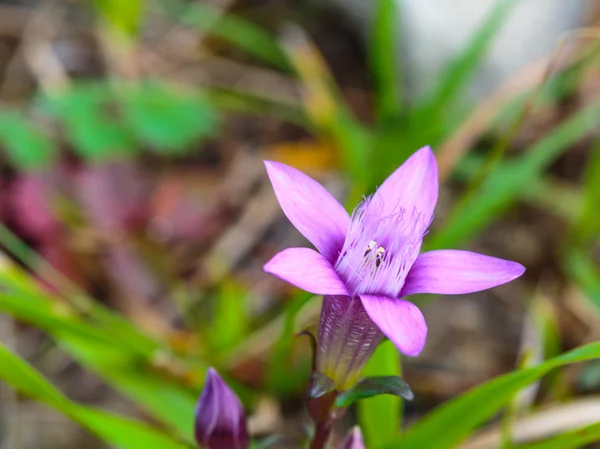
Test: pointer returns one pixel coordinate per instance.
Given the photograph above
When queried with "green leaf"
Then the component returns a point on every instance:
(123, 15)
(91, 120)
(118, 353)
(235, 30)
(572, 439)
(283, 374)
(453, 421)
(113, 429)
(167, 119)
(27, 147)
(374, 386)
(380, 416)
(582, 269)
(461, 69)
(587, 226)
(230, 319)
(384, 59)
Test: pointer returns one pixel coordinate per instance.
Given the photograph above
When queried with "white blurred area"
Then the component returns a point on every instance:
(433, 31)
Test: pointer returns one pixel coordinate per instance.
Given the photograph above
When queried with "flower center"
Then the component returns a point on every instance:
(379, 250)
(374, 254)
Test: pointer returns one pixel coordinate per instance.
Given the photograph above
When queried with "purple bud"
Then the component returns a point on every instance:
(220, 418)
(354, 440)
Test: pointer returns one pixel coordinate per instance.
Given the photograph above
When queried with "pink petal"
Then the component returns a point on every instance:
(453, 272)
(312, 210)
(308, 270)
(401, 321)
(413, 186)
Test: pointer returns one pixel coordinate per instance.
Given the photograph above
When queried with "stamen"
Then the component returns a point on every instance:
(379, 251)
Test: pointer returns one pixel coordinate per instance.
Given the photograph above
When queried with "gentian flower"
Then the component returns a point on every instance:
(354, 440)
(369, 262)
(220, 419)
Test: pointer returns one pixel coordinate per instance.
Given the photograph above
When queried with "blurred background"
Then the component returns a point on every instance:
(136, 215)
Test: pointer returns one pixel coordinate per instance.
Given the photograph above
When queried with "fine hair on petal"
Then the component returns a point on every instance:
(379, 250)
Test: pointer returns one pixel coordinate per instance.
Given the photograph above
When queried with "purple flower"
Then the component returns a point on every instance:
(354, 440)
(369, 262)
(220, 418)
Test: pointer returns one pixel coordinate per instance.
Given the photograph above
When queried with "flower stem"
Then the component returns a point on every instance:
(322, 433)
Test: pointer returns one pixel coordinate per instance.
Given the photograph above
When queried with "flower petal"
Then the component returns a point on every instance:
(413, 186)
(311, 208)
(401, 321)
(308, 270)
(453, 272)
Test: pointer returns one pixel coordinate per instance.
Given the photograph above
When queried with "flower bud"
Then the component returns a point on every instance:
(220, 418)
(354, 440)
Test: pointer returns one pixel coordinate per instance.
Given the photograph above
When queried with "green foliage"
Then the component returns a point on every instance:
(235, 30)
(114, 429)
(167, 119)
(27, 147)
(91, 121)
(384, 59)
(448, 424)
(104, 120)
(229, 324)
(463, 68)
(374, 386)
(107, 345)
(380, 416)
(124, 16)
(505, 184)
(569, 440)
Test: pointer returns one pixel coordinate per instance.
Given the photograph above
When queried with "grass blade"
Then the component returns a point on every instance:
(124, 433)
(453, 421)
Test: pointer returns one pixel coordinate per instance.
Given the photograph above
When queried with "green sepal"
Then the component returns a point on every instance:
(374, 386)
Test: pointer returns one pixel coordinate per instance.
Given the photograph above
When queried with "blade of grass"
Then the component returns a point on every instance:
(572, 439)
(462, 68)
(587, 226)
(380, 416)
(235, 30)
(584, 273)
(112, 352)
(113, 429)
(456, 419)
(436, 116)
(383, 58)
(250, 103)
(505, 184)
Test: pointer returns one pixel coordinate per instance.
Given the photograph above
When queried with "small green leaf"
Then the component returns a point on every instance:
(27, 147)
(374, 386)
(166, 118)
(123, 15)
(91, 121)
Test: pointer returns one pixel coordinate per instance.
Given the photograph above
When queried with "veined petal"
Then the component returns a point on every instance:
(308, 270)
(453, 272)
(311, 208)
(220, 421)
(412, 187)
(401, 321)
